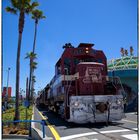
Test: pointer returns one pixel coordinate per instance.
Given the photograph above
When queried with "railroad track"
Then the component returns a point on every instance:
(113, 137)
(94, 128)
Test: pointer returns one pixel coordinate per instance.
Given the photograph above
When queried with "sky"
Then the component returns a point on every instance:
(109, 24)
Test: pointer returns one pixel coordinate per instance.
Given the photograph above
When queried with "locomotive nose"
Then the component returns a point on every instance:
(91, 76)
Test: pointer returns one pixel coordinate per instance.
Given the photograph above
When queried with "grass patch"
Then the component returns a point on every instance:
(9, 114)
(21, 128)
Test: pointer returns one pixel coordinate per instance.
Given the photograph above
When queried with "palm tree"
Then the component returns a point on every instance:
(131, 50)
(126, 52)
(122, 52)
(32, 64)
(36, 15)
(22, 7)
(30, 56)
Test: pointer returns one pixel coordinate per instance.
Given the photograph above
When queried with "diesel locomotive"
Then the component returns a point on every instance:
(81, 90)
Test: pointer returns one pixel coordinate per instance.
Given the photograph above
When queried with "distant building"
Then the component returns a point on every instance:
(126, 68)
(6, 97)
(4, 92)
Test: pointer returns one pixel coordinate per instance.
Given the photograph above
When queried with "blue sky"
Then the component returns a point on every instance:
(109, 24)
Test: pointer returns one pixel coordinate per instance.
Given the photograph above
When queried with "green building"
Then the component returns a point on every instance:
(126, 68)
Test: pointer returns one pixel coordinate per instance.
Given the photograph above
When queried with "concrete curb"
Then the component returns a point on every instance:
(14, 136)
(36, 133)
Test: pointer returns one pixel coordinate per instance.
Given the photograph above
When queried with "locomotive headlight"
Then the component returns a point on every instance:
(76, 104)
(119, 102)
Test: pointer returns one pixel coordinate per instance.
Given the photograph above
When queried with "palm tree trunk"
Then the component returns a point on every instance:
(32, 83)
(18, 77)
(31, 69)
(35, 37)
(20, 26)
(30, 75)
(27, 88)
(32, 87)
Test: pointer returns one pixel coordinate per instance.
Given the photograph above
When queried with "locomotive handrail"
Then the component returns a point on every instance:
(68, 92)
(118, 78)
(121, 85)
(119, 82)
(42, 122)
(114, 78)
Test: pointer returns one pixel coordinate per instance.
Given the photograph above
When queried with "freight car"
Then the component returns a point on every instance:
(81, 91)
(42, 99)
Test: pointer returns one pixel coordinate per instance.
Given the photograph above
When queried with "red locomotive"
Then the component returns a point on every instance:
(81, 91)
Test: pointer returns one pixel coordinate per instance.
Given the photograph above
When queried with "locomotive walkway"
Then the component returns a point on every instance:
(58, 129)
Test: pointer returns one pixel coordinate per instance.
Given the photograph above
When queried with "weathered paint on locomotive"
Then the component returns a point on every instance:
(91, 78)
(98, 108)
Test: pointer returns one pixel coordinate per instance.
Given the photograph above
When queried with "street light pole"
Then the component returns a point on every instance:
(7, 87)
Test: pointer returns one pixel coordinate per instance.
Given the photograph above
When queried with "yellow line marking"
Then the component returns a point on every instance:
(54, 132)
(44, 118)
(129, 121)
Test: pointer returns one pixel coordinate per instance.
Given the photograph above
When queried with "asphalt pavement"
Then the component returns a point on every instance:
(58, 129)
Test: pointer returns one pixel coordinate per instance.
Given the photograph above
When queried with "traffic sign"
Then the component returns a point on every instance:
(26, 103)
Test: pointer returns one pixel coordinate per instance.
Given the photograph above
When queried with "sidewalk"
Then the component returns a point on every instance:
(37, 127)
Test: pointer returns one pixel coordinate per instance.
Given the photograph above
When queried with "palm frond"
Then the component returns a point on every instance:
(11, 10)
(27, 55)
(37, 14)
(33, 78)
(34, 4)
(20, 4)
(31, 55)
(42, 17)
(34, 65)
(15, 4)
(31, 7)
